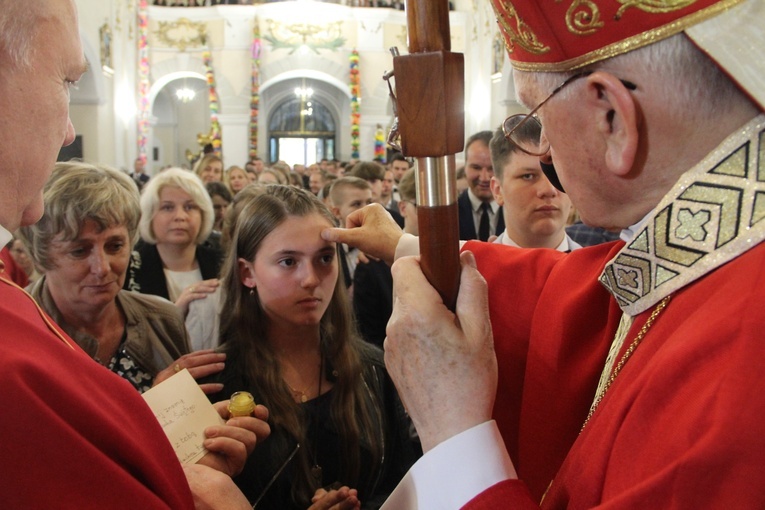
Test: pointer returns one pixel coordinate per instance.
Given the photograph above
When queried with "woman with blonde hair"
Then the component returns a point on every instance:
(271, 176)
(174, 258)
(288, 328)
(209, 168)
(236, 179)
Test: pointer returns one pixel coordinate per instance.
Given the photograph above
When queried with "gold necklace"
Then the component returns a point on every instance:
(300, 394)
(626, 356)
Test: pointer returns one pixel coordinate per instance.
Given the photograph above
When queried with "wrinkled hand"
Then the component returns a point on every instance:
(229, 445)
(443, 364)
(199, 364)
(343, 498)
(371, 229)
(213, 490)
(195, 291)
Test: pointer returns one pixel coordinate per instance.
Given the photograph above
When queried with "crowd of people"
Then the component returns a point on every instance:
(624, 374)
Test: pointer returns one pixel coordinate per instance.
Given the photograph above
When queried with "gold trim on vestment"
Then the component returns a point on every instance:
(714, 213)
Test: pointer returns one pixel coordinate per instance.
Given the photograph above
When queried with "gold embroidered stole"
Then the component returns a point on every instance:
(712, 215)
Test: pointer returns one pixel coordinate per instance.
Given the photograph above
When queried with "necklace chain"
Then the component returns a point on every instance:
(626, 356)
(301, 394)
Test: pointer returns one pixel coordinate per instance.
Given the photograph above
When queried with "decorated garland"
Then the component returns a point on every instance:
(143, 78)
(255, 90)
(214, 124)
(379, 144)
(355, 104)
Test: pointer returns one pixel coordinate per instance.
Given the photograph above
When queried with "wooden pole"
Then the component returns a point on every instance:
(430, 102)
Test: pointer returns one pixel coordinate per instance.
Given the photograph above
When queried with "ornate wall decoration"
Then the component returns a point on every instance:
(143, 77)
(355, 84)
(105, 34)
(255, 89)
(296, 35)
(215, 131)
(379, 144)
(182, 34)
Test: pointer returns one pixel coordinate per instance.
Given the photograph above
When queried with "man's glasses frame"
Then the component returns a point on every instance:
(542, 148)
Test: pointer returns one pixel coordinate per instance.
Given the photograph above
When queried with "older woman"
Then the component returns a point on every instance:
(82, 244)
(175, 260)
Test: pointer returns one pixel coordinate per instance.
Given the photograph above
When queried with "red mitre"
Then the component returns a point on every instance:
(563, 35)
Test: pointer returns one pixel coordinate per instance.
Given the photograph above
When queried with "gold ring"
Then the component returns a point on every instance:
(177, 368)
(192, 289)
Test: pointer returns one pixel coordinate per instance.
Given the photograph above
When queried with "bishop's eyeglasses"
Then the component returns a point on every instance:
(511, 127)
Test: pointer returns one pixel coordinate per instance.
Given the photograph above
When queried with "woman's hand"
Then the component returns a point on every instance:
(343, 498)
(230, 444)
(199, 364)
(195, 291)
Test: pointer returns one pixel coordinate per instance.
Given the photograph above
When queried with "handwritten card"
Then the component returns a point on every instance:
(184, 412)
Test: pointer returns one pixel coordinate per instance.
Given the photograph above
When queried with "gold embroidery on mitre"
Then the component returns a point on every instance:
(630, 43)
(653, 6)
(521, 34)
(713, 214)
(583, 17)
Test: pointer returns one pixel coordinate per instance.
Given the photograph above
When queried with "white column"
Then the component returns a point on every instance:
(235, 132)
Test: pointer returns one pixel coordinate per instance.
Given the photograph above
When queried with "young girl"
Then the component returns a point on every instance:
(288, 331)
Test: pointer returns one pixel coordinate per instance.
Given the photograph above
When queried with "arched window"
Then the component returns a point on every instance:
(301, 130)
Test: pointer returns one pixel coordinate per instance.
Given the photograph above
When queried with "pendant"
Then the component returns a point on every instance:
(303, 398)
(316, 472)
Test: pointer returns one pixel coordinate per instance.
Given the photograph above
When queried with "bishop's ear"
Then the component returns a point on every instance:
(617, 119)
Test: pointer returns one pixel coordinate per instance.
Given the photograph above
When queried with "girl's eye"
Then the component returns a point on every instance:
(287, 262)
(327, 259)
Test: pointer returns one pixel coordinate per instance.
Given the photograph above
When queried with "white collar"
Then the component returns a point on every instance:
(5, 236)
(476, 202)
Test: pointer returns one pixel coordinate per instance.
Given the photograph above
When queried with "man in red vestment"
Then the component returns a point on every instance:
(626, 375)
(75, 435)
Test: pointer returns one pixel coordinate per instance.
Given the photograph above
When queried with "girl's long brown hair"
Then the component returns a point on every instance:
(244, 327)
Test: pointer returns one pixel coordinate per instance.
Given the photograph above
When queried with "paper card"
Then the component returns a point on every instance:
(184, 412)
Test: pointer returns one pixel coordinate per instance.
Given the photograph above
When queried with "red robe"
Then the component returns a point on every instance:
(681, 426)
(11, 269)
(73, 434)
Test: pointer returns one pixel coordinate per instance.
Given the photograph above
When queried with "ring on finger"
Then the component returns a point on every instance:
(177, 368)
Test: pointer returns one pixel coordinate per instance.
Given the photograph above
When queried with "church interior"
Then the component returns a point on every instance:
(296, 80)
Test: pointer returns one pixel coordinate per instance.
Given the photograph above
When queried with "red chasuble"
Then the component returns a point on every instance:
(73, 434)
(682, 424)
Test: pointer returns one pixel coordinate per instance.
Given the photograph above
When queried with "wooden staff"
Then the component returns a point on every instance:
(430, 106)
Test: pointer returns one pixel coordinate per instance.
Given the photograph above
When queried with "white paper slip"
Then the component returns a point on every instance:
(184, 412)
